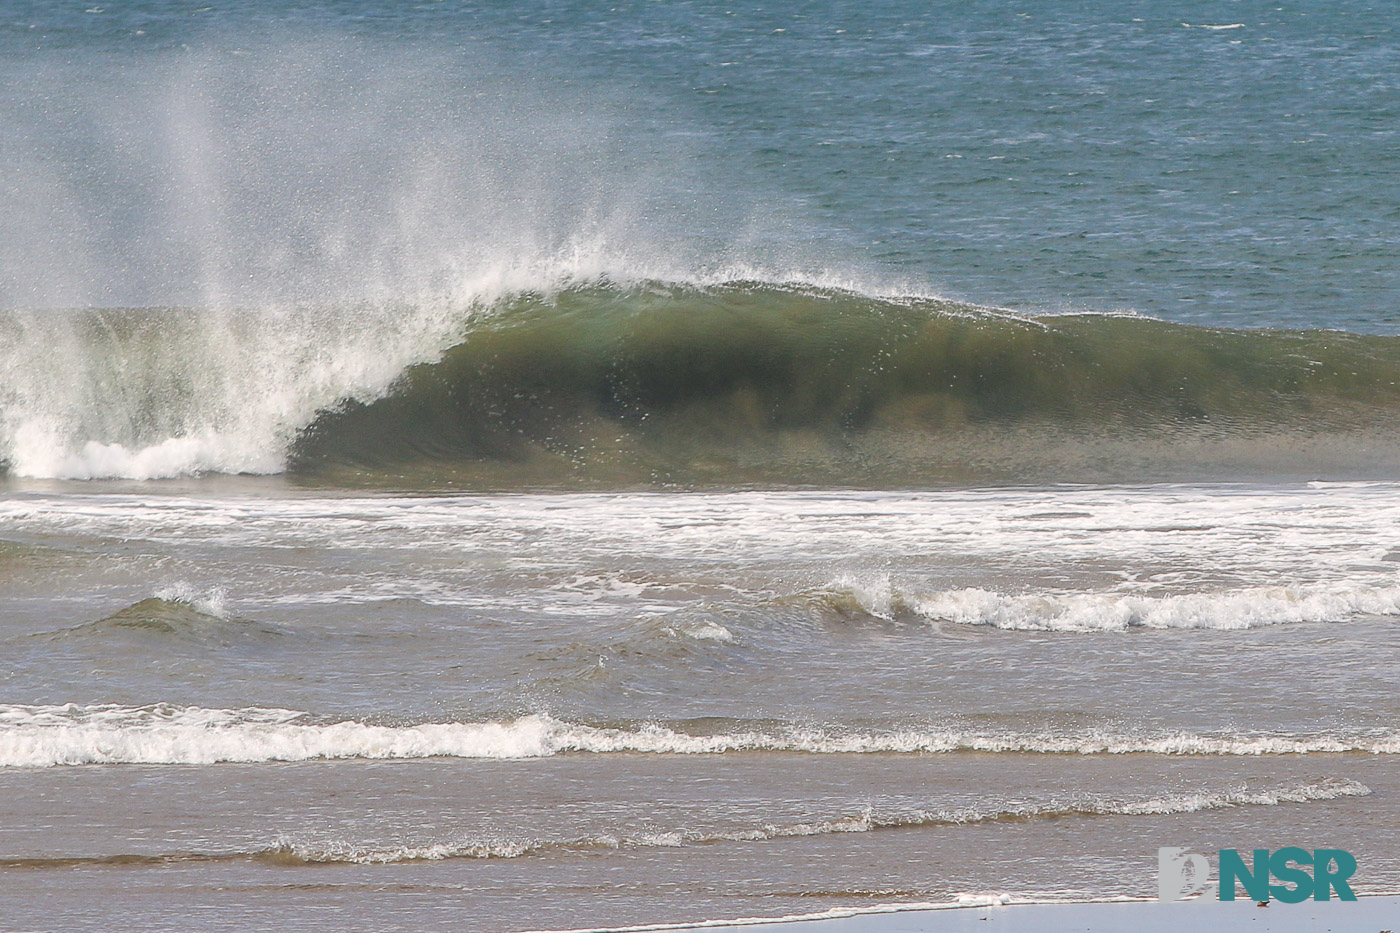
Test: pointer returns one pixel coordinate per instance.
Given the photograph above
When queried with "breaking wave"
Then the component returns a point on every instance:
(1243, 608)
(176, 612)
(611, 384)
(45, 736)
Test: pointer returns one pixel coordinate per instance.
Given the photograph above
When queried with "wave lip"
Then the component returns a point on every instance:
(46, 736)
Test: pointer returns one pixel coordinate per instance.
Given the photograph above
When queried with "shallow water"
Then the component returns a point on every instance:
(753, 702)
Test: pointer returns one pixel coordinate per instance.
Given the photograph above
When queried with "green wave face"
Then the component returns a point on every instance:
(757, 384)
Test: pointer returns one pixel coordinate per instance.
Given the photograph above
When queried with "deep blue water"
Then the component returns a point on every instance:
(1042, 156)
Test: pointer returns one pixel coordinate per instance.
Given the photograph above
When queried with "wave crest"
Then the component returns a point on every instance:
(617, 384)
(1243, 608)
(44, 736)
(293, 850)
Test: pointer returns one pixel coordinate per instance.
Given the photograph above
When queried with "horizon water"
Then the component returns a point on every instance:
(585, 465)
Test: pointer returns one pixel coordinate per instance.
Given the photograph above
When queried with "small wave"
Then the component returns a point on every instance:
(177, 611)
(1244, 608)
(868, 820)
(292, 851)
(44, 736)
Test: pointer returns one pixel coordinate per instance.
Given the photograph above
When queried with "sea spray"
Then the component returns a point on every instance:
(203, 252)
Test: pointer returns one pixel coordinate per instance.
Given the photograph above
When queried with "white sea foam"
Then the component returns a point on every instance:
(222, 390)
(362, 854)
(705, 631)
(42, 736)
(212, 602)
(1241, 608)
(1172, 540)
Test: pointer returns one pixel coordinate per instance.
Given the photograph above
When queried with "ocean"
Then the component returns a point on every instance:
(504, 467)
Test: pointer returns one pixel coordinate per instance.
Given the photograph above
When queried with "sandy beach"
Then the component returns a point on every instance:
(1365, 915)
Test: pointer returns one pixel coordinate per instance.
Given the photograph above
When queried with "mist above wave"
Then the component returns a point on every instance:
(369, 263)
(304, 217)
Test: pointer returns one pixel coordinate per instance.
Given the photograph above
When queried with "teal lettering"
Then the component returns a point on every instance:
(1302, 882)
(1256, 883)
(1326, 880)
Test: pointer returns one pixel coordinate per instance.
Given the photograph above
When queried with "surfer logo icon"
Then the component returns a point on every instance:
(1180, 873)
